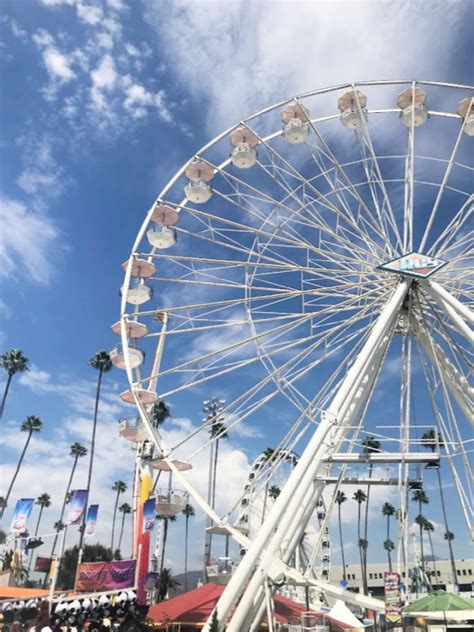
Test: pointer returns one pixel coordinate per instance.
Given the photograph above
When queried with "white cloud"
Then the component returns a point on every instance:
(43, 38)
(17, 31)
(26, 242)
(116, 5)
(41, 177)
(88, 13)
(138, 99)
(103, 79)
(251, 55)
(57, 64)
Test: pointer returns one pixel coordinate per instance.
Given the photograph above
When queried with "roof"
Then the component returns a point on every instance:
(195, 606)
(437, 601)
(15, 592)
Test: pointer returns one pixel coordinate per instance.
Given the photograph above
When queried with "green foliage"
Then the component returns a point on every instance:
(166, 584)
(14, 361)
(92, 553)
(388, 545)
(77, 450)
(159, 412)
(44, 500)
(388, 509)
(360, 496)
(31, 424)
(101, 361)
(214, 622)
(340, 498)
(274, 492)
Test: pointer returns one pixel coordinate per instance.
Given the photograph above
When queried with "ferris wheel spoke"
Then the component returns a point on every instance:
(442, 187)
(453, 228)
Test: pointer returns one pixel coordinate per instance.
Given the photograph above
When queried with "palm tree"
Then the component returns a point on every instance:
(102, 363)
(120, 487)
(165, 537)
(370, 445)
(341, 498)
(431, 441)
(421, 498)
(189, 512)
(159, 413)
(43, 502)
(274, 492)
(429, 528)
(76, 450)
(389, 511)
(360, 497)
(165, 583)
(13, 362)
(124, 509)
(31, 425)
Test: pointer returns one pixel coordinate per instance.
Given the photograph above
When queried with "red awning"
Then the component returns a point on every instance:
(195, 606)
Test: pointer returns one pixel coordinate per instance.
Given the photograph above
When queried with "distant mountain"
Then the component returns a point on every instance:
(193, 578)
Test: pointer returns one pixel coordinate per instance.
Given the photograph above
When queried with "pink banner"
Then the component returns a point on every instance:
(97, 576)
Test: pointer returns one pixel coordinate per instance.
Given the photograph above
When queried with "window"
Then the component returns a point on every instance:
(464, 571)
(458, 571)
(403, 574)
(371, 576)
(380, 576)
(469, 570)
(438, 573)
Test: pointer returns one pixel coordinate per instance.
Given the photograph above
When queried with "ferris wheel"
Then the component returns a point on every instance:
(317, 271)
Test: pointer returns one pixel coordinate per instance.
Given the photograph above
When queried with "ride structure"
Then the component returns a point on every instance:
(322, 266)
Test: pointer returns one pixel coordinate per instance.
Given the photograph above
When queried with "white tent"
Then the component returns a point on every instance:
(341, 613)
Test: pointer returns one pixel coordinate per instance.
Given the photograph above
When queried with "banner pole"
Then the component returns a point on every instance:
(56, 562)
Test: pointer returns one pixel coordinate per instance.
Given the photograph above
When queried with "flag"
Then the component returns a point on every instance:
(21, 514)
(76, 506)
(149, 515)
(91, 519)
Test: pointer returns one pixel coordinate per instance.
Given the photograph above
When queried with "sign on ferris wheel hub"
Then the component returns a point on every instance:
(413, 264)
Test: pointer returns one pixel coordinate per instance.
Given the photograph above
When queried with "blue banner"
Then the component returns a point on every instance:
(76, 506)
(91, 519)
(149, 515)
(21, 514)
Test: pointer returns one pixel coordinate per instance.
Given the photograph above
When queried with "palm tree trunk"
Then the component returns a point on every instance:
(433, 556)
(36, 533)
(113, 521)
(360, 548)
(16, 472)
(389, 553)
(366, 529)
(445, 516)
(186, 554)
(341, 541)
(89, 476)
(165, 536)
(121, 531)
(5, 393)
(63, 508)
(421, 543)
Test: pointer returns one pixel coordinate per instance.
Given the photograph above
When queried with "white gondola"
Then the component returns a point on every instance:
(243, 156)
(219, 571)
(162, 465)
(133, 329)
(198, 192)
(139, 294)
(352, 104)
(136, 357)
(132, 430)
(296, 120)
(466, 110)
(413, 109)
(141, 268)
(162, 238)
(170, 504)
(147, 398)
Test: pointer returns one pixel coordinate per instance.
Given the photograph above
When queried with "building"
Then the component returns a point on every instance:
(375, 575)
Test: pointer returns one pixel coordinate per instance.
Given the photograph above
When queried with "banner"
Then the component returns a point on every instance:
(149, 515)
(43, 564)
(91, 520)
(21, 514)
(76, 506)
(101, 576)
(393, 606)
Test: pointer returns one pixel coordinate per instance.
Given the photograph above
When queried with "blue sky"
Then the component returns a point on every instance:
(103, 102)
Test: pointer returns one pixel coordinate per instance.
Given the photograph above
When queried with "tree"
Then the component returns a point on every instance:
(103, 364)
(421, 498)
(189, 512)
(341, 498)
(69, 560)
(124, 509)
(274, 492)
(43, 502)
(31, 425)
(370, 445)
(388, 510)
(429, 528)
(360, 497)
(76, 450)
(165, 538)
(214, 627)
(13, 362)
(159, 413)
(165, 583)
(120, 487)
(432, 441)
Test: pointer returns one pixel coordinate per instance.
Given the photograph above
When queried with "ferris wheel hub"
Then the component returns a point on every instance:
(413, 264)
